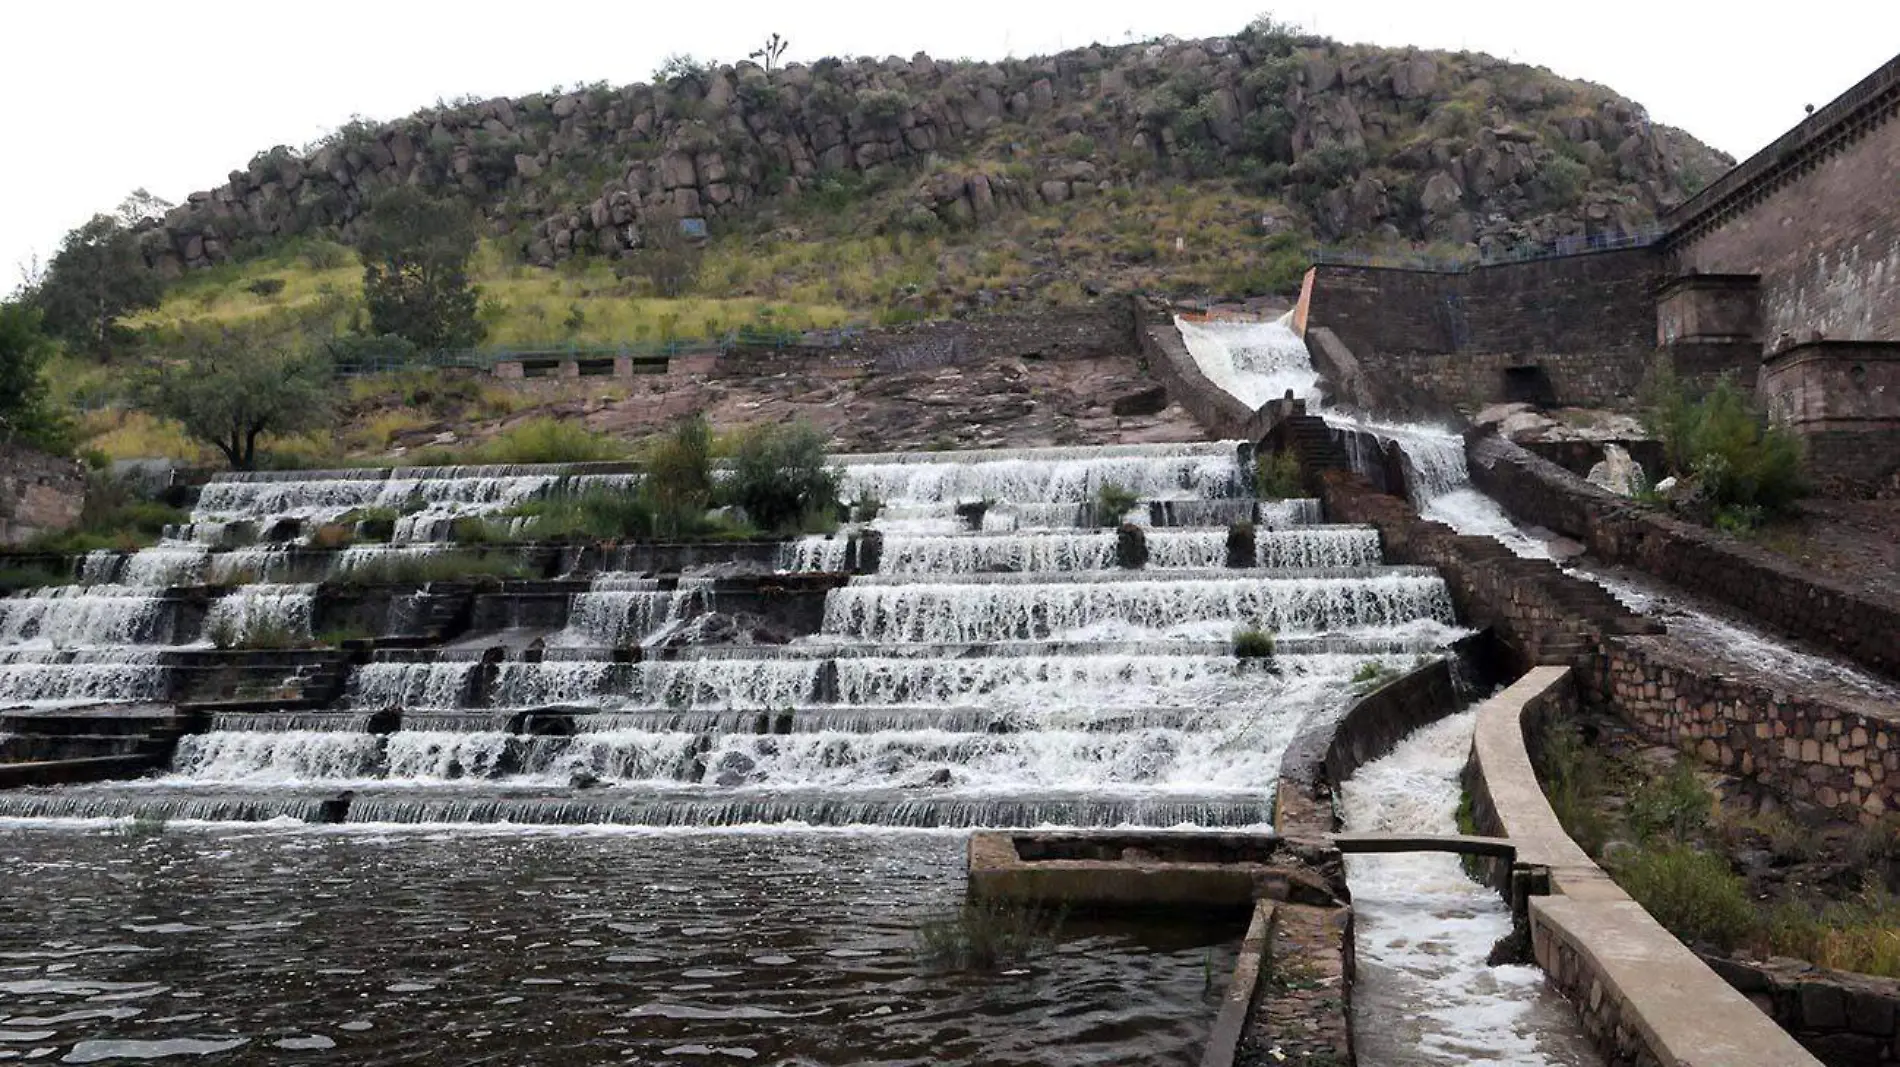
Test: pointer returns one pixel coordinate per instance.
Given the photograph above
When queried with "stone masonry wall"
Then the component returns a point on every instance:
(1843, 398)
(1815, 216)
(39, 494)
(1840, 756)
(1588, 320)
(1854, 623)
(1847, 1020)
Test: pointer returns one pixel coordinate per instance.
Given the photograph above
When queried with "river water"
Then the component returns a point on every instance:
(268, 944)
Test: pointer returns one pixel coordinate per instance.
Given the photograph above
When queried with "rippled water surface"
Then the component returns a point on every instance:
(267, 945)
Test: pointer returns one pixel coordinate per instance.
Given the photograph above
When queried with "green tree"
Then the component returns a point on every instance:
(678, 485)
(26, 415)
(415, 252)
(96, 278)
(229, 386)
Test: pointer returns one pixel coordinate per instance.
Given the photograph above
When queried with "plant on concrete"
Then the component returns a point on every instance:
(1112, 502)
(1253, 643)
(1572, 774)
(678, 486)
(1372, 674)
(1277, 476)
(984, 934)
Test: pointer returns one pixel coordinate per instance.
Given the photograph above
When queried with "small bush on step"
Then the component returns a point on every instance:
(1276, 476)
(782, 478)
(1112, 502)
(1253, 643)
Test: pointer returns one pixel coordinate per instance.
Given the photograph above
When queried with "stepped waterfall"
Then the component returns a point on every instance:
(999, 668)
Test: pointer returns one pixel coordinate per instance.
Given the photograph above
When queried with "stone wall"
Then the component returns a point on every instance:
(1319, 759)
(1540, 614)
(39, 494)
(1587, 320)
(1850, 622)
(1843, 398)
(1814, 216)
(1847, 1020)
(1840, 754)
(1645, 999)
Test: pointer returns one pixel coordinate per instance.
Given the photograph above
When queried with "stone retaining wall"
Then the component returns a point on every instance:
(1317, 761)
(1856, 624)
(1842, 756)
(39, 494)
(1644, 997)
(1848, 1020)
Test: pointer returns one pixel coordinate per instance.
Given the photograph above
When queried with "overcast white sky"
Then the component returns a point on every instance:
(98, 97)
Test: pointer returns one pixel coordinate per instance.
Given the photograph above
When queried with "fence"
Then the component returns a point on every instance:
(1518, 253)
(648, 351)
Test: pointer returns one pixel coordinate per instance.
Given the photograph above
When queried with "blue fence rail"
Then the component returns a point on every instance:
(1518, 253)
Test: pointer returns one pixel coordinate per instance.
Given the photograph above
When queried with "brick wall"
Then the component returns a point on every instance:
(38, 494)
(1815, 215)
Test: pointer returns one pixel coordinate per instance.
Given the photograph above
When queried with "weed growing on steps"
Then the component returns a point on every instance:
(1112, 502)
(1276, 476)
(983, 935)
(141, 826)
(1253, 644)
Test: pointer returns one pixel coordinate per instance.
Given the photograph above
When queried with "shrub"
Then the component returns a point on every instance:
(265, 287)
(1861, 934)
(415, 569)
(781, 478)
(1743, 468)
(549, 440)
(593, 514)
(1572, 774)
(1371, 675)
(1241, 545)
(253, 633)
(1690, 892)
(1112, 502)
(32, 576)
(1672, 806)
(1253, 643)
(1277, 476)
(983, 934)
(866, 507)
(678, 486)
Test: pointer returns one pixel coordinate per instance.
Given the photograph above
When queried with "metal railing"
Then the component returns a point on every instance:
(644, 351)
(1518, 253)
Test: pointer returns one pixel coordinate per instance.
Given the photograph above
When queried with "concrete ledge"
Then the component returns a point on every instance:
(1645, 997)
(1460, 844)
(1152, 871)
(1243, 991)
(75, 771)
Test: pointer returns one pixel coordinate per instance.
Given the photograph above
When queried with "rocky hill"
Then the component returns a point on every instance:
(1297, 138)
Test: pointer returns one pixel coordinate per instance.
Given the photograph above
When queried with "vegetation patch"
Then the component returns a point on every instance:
(984, 935)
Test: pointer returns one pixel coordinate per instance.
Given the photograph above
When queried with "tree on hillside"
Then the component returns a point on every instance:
(95, 279)
(229, 386)
(26, 415)
(415, 252)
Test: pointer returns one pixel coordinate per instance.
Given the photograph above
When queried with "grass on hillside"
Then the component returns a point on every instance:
(581, 302)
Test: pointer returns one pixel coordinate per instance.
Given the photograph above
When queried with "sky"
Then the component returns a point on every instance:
(99, 97)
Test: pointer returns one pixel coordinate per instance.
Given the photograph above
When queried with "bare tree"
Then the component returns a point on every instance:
(771, 52)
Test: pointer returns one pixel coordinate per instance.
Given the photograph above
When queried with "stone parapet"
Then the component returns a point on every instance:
(1645, 998)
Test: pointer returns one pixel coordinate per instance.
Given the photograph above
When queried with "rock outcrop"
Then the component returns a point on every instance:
(1368, 143)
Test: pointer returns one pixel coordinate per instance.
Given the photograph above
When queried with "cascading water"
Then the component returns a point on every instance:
(993, 672)
(1423, 994)
(1262, 361)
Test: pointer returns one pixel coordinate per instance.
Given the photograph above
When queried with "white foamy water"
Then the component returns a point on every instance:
(1255, 361)
(1423, 928)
